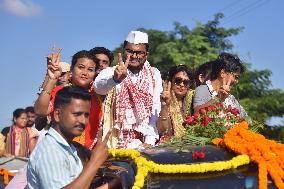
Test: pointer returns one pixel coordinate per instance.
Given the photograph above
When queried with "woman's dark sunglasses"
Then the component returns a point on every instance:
(179, 80)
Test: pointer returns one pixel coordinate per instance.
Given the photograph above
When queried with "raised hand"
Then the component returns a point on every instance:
(100, 152)
(53, 68)
(225, 89)
(166, 94)
(120, 73)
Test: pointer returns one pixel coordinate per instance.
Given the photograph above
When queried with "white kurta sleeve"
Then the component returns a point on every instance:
(104, 81)
(152, 133)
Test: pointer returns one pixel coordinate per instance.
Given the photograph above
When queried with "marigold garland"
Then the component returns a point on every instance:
(6, 175)
(145, 166)
(268, 154)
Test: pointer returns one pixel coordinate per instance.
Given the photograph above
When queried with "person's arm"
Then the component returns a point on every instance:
(164, 124)
(54, 71)
(104, 82)
(42, 104)
(202, 98)
(98, 157)
(152, 135)
(110, 77)
(33, 133)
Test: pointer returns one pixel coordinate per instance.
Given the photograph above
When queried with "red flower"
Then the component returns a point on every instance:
(234, 111)
(196, 115)
(214, 108)
(210, 108)
(219, 105)
(202, 111)
(162, 140)
(205, 120)
(189, 120)
(198, 155)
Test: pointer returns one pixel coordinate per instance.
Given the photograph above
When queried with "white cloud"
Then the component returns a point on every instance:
(23, 8)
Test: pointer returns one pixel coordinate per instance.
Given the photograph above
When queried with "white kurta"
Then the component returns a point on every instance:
(104, 83)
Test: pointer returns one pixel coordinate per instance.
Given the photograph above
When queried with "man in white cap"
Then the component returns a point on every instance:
(133, 103)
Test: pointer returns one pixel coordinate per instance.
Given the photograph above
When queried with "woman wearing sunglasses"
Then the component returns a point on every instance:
(176, 100)
(226, 70)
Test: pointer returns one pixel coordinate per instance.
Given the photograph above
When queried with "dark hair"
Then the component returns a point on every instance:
(227, 62)
(65, 95)
(103, 50)
(205, 70)
(18, 112)
(82, 54)
(30, 109)
(146, 45)
(180, 68)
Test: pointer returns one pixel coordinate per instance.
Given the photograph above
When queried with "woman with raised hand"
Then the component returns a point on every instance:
(226, 70)
(20, 140)
(176, 101)
(82, 73)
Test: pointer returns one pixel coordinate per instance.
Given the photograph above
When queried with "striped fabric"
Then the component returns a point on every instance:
(17, 142)
(53, 163)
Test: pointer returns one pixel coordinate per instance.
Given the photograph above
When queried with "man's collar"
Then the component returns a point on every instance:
(52, 132)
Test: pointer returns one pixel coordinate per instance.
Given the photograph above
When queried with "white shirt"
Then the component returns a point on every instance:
(104, 83)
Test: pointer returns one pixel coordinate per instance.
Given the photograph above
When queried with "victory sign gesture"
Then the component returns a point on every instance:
(100, 152)
(166, 94)
(53, 68)
(120, 73)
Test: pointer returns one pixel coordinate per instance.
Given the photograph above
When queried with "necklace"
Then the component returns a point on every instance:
(210, 87)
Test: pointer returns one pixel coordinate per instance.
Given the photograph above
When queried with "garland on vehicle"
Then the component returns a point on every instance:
(268, 154)
(145, 166)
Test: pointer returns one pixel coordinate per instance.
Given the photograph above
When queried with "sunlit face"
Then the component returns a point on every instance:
(137, 55)
(21, 121)
(180, 84)
(72, 118)
(83, 72)
(103, 62)
(230, 78)
(31, 117)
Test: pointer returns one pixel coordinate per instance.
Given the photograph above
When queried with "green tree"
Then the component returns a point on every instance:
(204, 42)
(258, 97)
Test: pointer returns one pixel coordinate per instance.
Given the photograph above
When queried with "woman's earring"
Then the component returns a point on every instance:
(70, 77)
(91, 87)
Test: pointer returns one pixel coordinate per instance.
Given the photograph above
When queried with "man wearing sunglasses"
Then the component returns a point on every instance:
(133, 106)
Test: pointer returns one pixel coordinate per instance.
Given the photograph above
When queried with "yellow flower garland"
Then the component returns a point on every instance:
(145, 166)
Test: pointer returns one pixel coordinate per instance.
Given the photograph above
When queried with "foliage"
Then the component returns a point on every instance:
(195, 46)
(209, 123)
(275, 133)
(258, 97)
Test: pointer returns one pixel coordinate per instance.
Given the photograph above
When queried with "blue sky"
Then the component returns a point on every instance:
(29, 28)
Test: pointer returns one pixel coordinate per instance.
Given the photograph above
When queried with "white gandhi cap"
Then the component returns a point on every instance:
(137, 37)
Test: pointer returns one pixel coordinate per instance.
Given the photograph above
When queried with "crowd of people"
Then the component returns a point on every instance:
(89, 106)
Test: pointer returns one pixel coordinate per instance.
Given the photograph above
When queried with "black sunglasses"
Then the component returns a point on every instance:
(179, 80)
(138, 53)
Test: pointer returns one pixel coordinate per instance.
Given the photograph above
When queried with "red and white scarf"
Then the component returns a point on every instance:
(136, 96)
